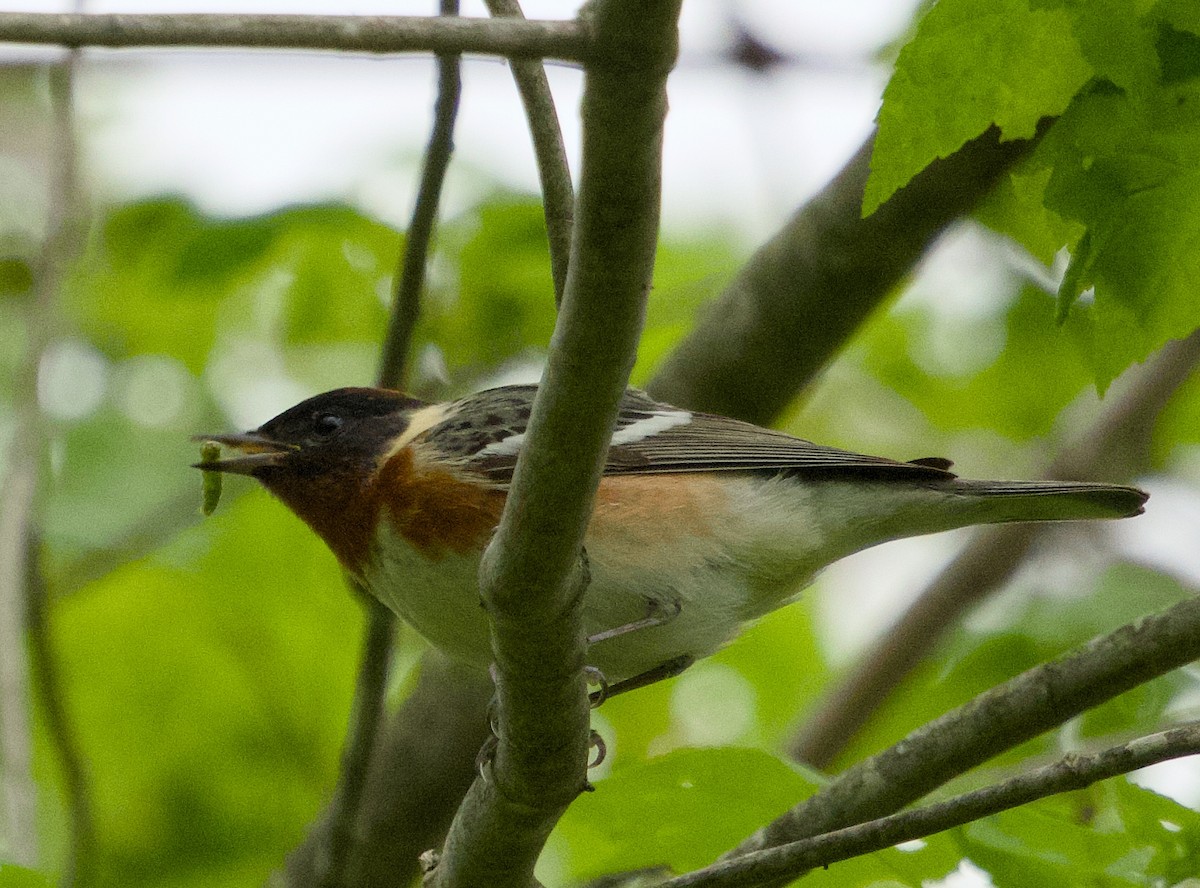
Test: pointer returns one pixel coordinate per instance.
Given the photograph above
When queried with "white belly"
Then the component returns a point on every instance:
(716, 576)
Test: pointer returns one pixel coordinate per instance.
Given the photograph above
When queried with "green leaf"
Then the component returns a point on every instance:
(916, 866)
(1016, 207)
(1179, 51)
(1131, 174)
(1077, 277)
(340, 263)
(166, 278)
(501, 303)
(681, 810)
(1036, 357)
(1116, 38)
(1181, 14)
(210, 687)
(1112, 834)
(13, 876)
(158, 279)
(972, 64)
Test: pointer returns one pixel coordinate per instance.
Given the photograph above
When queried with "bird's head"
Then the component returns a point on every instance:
(321, 456)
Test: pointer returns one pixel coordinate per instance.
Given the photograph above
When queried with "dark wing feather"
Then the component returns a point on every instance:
(654, 438)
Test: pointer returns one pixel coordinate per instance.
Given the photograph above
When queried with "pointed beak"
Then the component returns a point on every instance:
(256, 452)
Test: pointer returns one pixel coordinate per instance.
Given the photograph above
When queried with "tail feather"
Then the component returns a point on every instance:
(1002, 501)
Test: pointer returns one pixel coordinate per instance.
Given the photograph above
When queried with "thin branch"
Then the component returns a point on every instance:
(558, 196)
(561, 40)
(79, 866)
(18, 500)
(1116, 447)
(16, 515)
(387, 812)
(340, 825)
(410, 277)
(375, 662)
(1072, 772)
(422, 764)
(531, 578)
(799, 298)
(1033, 702)
(63, 246)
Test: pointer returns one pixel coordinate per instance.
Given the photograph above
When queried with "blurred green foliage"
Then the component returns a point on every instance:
(1116, 178)
(209, 664)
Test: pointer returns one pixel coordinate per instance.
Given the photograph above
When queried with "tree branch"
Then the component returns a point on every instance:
(18, 505)
(1072, 772)
(421, 766)
(79, 866)
(562, 40)
(558, 197)
(1035, 701)
(410, 277)
(332, 846)
(1115, 448)
(799, 298)
(531, 579)
(16, 515)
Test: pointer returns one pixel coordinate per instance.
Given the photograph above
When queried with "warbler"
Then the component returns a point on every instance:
(701, 523)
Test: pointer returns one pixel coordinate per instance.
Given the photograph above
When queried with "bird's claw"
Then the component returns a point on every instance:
(597, 742)
(596, 677)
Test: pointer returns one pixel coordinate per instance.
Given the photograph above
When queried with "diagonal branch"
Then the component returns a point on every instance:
(514, 38)
(1033, 702)
(531, 579)
(558, 197)
(1116, 447)
(1072, 772)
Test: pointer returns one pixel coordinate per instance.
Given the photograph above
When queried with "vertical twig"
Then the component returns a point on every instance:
(532, 576)
(16, 514)
(558, 195)
(376, 657)
(410, 280)
(18, 497)
(78, 867)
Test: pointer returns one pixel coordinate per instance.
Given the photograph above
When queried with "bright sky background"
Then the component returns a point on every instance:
(260, 130)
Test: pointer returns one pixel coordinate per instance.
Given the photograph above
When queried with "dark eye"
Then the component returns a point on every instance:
(326, 424)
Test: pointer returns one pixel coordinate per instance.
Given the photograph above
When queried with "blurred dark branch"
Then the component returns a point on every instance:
(1072, 772)
(1115, 448)
(421, 766)
(558, 197)
(17, 505)
(20, 491)
(333, 845)
(808, 289)
(418, 773)
(410, 276)
(333, 849)
(513, 38)
(1033, 702)
(79, 867)
(532, 579)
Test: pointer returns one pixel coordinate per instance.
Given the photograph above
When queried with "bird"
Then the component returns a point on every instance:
(701, 523)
